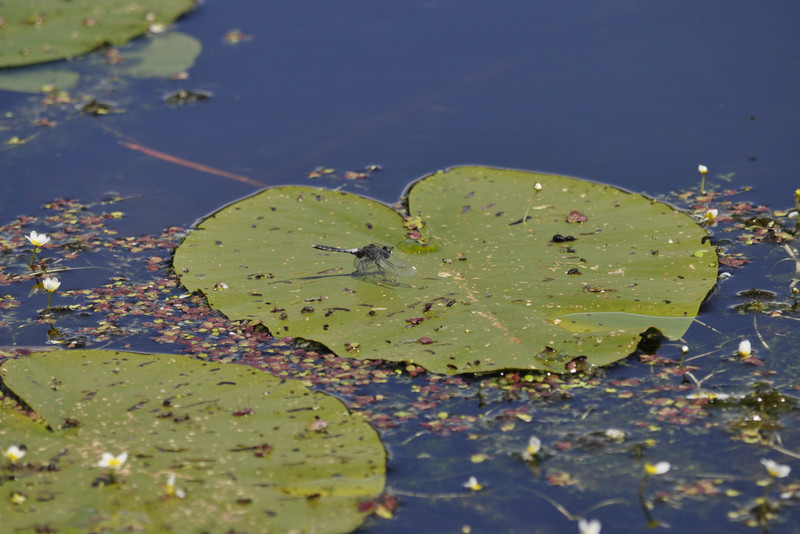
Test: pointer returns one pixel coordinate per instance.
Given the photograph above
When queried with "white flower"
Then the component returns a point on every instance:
(473, 484)
(533, 448)
(702, 169)
(50, 284)
(537, 186)
(113, 462)
(710, 216)
(157, 28)
(615, 434)
(589, 527)
(13, 453)
(685, 349)
(775, 469)
(708, 395)
(171, 489)
(656, 469)
(37, 240)
(744, 348)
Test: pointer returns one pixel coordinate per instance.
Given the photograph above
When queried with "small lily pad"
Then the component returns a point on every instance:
(33, 80)
(253, 453)
(514, 277)
(163, 56)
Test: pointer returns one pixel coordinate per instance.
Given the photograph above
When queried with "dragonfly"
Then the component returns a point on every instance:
(375, 263)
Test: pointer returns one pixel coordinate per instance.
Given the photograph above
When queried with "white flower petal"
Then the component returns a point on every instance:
(744, 348)
(775, 469)
(589, 527)
(113, 462)
(14, 453)
(51, 284)
(657, 469)
(37, 240)
(473, 484)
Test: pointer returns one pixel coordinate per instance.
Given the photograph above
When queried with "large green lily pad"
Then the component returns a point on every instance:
(492, 292)
(37, 31)
(252, 452)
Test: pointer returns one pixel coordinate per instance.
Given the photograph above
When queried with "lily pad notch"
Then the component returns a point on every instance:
(524, 270)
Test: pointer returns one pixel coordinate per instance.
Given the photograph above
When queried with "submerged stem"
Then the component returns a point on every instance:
(650, 521)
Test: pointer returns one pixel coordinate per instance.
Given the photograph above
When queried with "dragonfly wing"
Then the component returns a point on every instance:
(371, 271)
(398, 267)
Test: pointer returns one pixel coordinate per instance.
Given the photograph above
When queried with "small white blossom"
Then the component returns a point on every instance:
(744, 348)
(710, 216)
(171, 489)
(14, 453)
(589, 527)
(702, 169)
(537, 186)
(708, 395)
(50, 284)
(533, 448)
(615, 434)
(657, 469)
(775, 469)
(114, 463)
(473, 484)
(37, 240)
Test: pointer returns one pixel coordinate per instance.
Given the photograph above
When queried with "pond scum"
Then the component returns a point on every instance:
(588, 441)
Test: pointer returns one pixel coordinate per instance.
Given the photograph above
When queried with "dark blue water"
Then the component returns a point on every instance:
(618, 92)
(629, 93)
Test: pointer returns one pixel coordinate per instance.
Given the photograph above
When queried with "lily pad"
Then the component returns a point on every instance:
(496, 289)
(37, 31)
(253, 453)
(160, 56)
(34, 79)
(163, 56)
